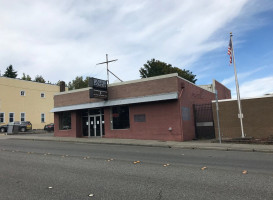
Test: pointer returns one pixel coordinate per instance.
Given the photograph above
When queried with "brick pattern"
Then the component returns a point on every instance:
(137, 89)
(223, 92)
(191, 95)
(160, 116)
(257, 121)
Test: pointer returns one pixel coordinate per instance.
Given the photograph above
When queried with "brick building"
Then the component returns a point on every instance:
(156, 108)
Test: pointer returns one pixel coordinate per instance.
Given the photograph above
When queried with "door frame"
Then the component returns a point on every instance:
(95, 129)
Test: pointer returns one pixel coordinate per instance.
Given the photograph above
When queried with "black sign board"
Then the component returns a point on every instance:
(98, 88)
(98, 84)
(98, 94)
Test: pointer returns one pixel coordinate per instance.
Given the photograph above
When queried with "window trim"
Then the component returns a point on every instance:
(3, 117)
(42, 118)
(24, 93)
(21, 117)
(13, 116)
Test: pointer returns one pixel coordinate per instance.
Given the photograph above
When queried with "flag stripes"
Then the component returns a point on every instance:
(230, 51)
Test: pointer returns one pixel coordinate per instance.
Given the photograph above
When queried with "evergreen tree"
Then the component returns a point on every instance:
(10, 72)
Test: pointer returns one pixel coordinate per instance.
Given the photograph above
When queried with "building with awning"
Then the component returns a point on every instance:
(156, 108)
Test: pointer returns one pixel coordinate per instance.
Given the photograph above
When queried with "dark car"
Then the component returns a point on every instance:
(49, 127)
(23, 126)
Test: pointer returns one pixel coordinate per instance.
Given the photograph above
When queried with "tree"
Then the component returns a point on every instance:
(39, 79)
(155, 68)
(26, 77)
(78, 83)
(10, 72)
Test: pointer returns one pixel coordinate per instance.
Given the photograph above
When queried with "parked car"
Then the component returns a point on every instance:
(49, 127)
(23, 126)
(28, 125)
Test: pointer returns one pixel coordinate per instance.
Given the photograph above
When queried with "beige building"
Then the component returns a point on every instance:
(22, 100)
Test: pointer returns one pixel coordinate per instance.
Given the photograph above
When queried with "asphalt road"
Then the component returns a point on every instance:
(59, 170)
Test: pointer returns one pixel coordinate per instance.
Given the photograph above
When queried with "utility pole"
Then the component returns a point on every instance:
(107, 61)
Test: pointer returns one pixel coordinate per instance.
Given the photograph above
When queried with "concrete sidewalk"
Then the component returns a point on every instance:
(199, 144)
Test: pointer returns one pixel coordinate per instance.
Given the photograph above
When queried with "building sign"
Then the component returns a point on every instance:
(98, 84)
(98, 88)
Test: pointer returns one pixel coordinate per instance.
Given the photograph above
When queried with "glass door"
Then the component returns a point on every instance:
(95, 126)
(92, 126)
(98, 126)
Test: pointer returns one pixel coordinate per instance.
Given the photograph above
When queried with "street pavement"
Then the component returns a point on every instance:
(44, 169)
(195, 144)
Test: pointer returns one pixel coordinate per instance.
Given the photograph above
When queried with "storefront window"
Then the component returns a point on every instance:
(120, 117)
(65, 120)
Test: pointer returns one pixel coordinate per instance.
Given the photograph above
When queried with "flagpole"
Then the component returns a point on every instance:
(240, 115)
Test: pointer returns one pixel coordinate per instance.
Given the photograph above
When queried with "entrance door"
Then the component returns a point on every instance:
(95, 128)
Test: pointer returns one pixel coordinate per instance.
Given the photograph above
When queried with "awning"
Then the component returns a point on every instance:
(116, 102)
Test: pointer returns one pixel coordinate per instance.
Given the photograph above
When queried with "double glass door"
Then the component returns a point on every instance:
(96, 125)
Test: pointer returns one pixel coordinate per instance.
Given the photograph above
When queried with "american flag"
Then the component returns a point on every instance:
(230, 51)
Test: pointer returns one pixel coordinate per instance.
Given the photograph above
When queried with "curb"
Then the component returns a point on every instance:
(194, 146)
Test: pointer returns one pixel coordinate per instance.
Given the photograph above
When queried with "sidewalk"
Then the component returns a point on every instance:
(199, 144)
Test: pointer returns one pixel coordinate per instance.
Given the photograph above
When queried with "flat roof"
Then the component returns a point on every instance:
(258, 97)
(135, 100)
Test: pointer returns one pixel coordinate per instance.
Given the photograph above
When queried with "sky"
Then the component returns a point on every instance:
(62, 39)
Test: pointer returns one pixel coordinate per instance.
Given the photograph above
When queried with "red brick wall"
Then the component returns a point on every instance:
(191, 95)
(159, 117)
(136, 89)
(75, 130)
(223, 92)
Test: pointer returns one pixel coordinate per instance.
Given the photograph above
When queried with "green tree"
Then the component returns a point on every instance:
(10, 72)
(155, 68)
(26, 77)
(78, 83)
(39, 79)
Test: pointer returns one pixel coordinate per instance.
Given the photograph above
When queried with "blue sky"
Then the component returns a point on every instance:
(62, 39)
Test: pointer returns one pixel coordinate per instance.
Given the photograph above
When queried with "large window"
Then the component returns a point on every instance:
(2, 117)
(65, 120)
(11, 117)
(120, 117)
(23, 117)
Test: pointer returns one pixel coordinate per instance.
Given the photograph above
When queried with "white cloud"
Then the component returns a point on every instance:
(241, 76)
(66, 38)
(257, 87)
